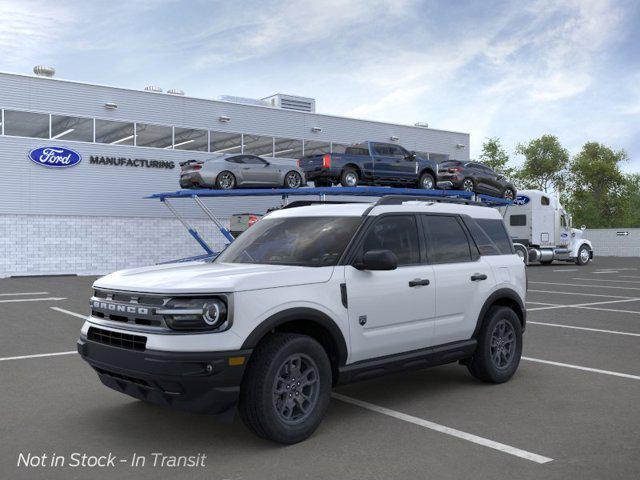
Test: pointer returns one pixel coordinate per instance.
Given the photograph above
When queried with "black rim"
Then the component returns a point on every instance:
(467, 185)
(508, 194)
(503, 345)
(296, 388)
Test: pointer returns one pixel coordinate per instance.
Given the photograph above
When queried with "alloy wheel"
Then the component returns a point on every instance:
(293, 180)
(467, 185)
(226, 181)
(351, 179)
(508, 194)
(584, 255)
(296, 388)
(503, 345)
(427, 182)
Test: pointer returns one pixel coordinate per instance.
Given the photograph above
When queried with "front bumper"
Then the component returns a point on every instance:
(197, 382)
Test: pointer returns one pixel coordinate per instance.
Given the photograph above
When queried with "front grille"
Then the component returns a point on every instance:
(131, 308)
(117, 339)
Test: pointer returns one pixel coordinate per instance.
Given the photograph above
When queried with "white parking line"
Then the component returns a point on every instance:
(584, 328)
(48, 299)
(590, 286)
(22, 357)
(541, 303)
(73, 314)
(23, 293)
(607, 280)
(580, 293)
(629, 276)
(608, 309)
(534, 457)
(579, 367)
(567, 270)
(607, 271)
(584, 305)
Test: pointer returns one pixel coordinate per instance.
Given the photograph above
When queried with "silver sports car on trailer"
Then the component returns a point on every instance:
(241, 170)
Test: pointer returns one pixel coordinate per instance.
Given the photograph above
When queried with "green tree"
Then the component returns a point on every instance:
(495, 156)
(545, 164)
(600, 194)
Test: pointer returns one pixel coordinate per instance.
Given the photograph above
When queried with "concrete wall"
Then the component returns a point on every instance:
(613, 242)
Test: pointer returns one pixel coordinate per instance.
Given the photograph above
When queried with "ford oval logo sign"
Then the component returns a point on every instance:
(55, 157)
(521, 200)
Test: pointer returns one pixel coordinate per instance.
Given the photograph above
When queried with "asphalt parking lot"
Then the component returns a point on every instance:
(571, 411)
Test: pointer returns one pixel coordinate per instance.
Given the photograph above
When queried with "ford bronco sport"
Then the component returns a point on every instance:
(310, 298)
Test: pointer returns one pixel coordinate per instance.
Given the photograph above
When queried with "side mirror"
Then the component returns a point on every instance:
(583, 227)
(378, 260)
(411, 156)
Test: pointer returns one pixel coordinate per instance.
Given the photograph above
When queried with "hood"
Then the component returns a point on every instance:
(204, 277)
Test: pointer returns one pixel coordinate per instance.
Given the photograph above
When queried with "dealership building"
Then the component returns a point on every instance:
(92, 218)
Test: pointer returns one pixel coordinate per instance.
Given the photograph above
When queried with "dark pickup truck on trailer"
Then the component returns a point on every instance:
(371, 163)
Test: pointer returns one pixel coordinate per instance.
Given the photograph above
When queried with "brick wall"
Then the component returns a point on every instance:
(610, 242)
(46, 244)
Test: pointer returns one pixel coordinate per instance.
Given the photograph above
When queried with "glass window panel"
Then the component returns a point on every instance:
(338, 147)
(158, 136)
(316, 148)
(72, 128)
(190, 139)
(26, 124)
(258, 145)
(287, 148)
(398, 234)
(115, 133)
(222, 142)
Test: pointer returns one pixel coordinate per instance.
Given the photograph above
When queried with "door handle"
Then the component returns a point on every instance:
(478, 276)
(418, 282)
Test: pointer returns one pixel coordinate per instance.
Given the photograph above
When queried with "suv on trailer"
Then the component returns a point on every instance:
(309, 298)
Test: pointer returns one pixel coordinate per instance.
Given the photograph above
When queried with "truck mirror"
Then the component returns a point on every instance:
(378, 260)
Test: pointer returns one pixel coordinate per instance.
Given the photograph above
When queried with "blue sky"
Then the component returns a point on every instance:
(515, 70)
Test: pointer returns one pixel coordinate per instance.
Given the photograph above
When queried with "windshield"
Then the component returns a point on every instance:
(303, 241)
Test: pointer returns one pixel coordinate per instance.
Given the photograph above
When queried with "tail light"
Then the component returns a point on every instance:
(197, 166)
(298, 163)
(455, 170)
(252, 219)
(326, 161)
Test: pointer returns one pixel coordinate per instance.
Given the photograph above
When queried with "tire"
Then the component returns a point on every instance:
(509, 194)
(468, 185)
(349, 177)
(292, 180)
(584, 255)
(487, 362)
(263, 410)
(322, 183)
(427, 182)
(225, 180)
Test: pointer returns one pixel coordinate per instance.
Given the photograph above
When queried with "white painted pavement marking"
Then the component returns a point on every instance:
(587, 286)
(580, 367)
(48, 299)
(581, 293)
(608, 309)
(541, 303)
(629, 276)
(22, 357)
(23, 293)
(599, 330)
(534, 457)
(583, 305)
(567, 270)
(606, 271)
(73, 314)
(607, 280)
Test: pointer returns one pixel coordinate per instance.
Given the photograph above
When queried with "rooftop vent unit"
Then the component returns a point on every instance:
(153, 88)
(291, 102)
(44, 71)
(422, 124)
(175, 91)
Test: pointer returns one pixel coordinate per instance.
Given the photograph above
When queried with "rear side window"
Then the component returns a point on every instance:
(544, 201)
(490, 236)
(446, 240)
(518, 220)
(397, 233)
(357, 151)
(235, 160)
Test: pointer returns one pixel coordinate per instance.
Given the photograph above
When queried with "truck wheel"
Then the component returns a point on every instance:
(499, 346)
(584, 255)
(426, 182)
(349, 178)
(468, 185)
(225, 180)
(286, 390)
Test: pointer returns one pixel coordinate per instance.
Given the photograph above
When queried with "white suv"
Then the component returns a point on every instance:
(309, 298)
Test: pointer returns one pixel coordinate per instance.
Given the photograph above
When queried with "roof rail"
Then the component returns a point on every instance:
(399, 199)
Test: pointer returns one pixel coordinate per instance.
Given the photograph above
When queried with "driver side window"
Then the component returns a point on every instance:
(397, 233)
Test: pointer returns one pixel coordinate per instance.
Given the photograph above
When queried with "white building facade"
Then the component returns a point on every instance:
(92, 218)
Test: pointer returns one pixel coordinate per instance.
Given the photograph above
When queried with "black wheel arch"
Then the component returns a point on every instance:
(352, 166)
(503, 297)
(430, 171)
(307, 321)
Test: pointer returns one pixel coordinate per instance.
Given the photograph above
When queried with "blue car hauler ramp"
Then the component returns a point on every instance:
(321, 192)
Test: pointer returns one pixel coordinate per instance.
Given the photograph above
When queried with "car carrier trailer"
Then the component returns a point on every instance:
(316, 195)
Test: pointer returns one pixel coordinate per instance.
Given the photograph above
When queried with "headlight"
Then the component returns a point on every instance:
(196, 314)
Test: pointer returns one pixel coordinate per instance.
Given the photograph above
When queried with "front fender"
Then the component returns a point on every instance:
(579, 243)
